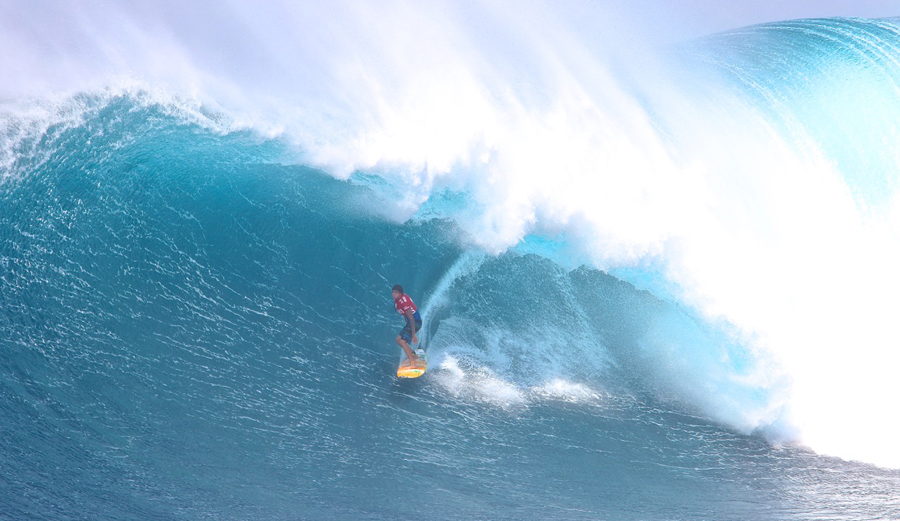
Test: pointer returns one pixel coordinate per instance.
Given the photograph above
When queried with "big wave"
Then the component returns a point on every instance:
(748, 180)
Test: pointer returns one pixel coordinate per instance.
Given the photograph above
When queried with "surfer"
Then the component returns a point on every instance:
(406, 307)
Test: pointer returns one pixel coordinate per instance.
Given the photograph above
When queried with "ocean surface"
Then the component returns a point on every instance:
(655, 287)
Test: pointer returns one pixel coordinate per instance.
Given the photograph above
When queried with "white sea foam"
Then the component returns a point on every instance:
(563, 390)
(478, 383)
(468, 380)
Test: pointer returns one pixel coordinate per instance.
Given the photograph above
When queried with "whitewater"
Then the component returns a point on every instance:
(658, 276)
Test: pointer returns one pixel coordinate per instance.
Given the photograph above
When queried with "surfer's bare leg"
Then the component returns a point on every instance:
(409, 352)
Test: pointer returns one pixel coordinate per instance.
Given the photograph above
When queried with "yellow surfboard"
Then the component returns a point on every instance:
(408, 370)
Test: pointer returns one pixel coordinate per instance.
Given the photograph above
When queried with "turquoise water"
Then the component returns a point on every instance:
(196, 323)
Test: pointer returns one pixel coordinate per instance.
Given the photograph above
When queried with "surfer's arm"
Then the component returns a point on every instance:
(412, 325)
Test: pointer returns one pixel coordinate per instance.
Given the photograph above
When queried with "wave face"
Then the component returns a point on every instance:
(645, 294)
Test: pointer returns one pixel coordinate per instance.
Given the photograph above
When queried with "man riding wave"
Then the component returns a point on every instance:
(406, 307)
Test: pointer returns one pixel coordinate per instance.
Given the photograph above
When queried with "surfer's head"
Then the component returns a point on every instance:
(397, 291)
